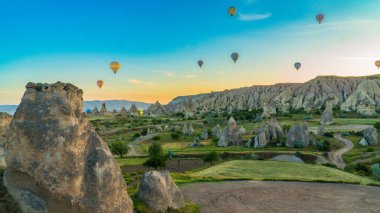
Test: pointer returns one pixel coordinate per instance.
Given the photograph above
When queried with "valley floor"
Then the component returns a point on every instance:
(270, 196)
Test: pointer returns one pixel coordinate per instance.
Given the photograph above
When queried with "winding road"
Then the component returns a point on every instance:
(336, 157)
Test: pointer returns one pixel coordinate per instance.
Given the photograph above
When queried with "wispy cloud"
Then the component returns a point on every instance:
(254, 17)
(138, 82)
(134, 81)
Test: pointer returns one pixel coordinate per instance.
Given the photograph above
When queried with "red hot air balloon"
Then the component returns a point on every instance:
(320, 18)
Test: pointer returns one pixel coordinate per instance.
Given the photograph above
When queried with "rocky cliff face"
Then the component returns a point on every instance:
(55, 161)
(343, 92)
(5, 120)
(156, 109)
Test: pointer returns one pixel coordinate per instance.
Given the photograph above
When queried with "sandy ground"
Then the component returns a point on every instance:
(269, 197)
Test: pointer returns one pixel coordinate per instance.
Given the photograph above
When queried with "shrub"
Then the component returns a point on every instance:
(323, 146)
(329, 134)
(136, 135)
(157, 158)
(211, 157)
(144, 132)
(119, 148)
(175, 135)
(370, 149)
(156, 138)
(215, 141)
(377, 125)
(225, 155)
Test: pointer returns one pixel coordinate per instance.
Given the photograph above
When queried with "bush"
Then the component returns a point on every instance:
(175, 135)
(136, 135)
(323, 146)
(377, 125)
(144, 132)
(211, 157)
(329, 134)
(225, 155)
(359, 168)
(157, 158)
(370, 149)
(156, 138)
(119, 148)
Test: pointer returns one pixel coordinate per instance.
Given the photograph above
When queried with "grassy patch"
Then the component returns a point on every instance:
(130, 161)
(272, 170)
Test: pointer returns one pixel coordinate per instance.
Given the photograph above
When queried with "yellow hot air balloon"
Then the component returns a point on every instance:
(100, 83)
(377, 63)
(115, 66)
(141, 111)
(232, 11)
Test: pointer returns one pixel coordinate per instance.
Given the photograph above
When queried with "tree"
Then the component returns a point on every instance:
(157, 157)
(211, 157)
(119, 148)
(156, 138)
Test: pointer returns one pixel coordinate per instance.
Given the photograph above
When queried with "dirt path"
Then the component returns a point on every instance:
(270, 197)
(135, 148)
(336, 157)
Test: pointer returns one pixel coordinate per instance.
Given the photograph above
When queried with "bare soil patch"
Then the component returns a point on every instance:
(269, 196)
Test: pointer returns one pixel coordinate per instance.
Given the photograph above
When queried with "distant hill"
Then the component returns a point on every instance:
(361, 94)
(111, 105)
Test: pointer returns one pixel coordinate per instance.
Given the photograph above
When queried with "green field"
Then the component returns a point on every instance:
(273, 170)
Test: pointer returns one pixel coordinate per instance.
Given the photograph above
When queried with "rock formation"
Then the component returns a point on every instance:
(365, 99)
(95, 111)
(159, 192)
(217, 133)
(298, 136)
(370, 135)
(55, 161)
(327, 115)
(195, 142)
(268, 109)
(5, 120)
(123, 111)
(204, 134)
(103, 110)
(134, 111)
(344, 91)
(269, 131)
(187, 129)
(231, 134)
(242, 130)
(156, 109)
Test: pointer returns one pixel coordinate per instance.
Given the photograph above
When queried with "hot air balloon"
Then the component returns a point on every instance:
(297, 65)
(235, 57)
(377, 63)
(115, 66)
(100, 83)
(232, 11)
(200, 63)
(320, 18)
(88, 111)
(141, 111)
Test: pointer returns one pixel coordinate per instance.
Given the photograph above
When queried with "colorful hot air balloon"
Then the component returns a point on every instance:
(235, 57)
(100, 83)
(88, 111)
(232, 11)
(115, 66)
(377, 63)
(200, 63)
(320, 18)
(297, 65)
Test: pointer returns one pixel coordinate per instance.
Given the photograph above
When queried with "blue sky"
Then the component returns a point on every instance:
(159, 42)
